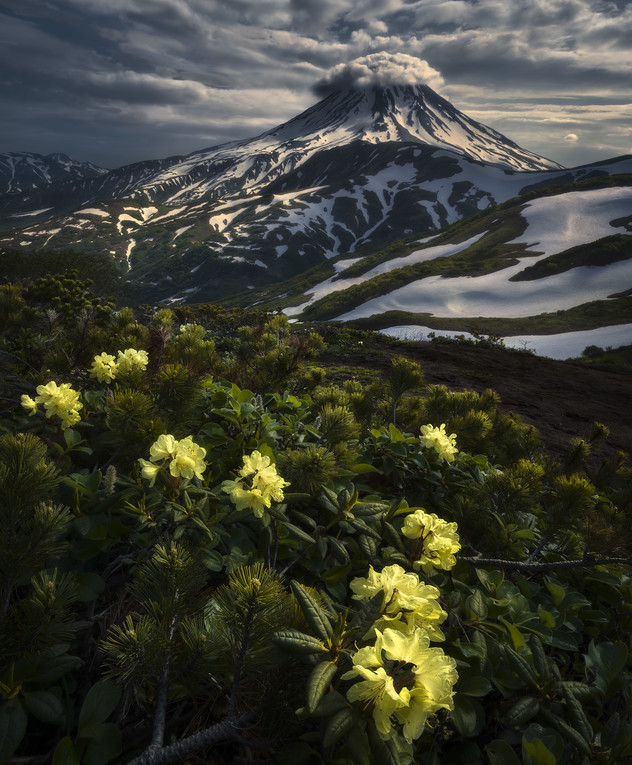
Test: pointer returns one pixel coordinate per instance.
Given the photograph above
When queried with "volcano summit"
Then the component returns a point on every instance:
(359, 169)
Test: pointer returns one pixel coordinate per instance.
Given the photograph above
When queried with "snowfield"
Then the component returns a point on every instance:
(566, 345)
(554, 224)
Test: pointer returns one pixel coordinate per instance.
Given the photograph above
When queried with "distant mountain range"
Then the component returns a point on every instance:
(352, 175)
(26, 173)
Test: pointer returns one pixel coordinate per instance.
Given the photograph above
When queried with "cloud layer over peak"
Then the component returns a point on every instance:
(117, 81)
(380, 69)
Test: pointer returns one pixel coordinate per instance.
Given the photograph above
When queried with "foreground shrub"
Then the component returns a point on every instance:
(190, 569)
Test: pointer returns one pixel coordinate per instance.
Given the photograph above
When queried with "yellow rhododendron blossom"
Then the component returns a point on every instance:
(149, 471)
(59, 401)
(131, 359)
(104, 367)
(437, 439)
(162, 449)
(438, 540)
(188, 460)
(260, 484)
(404, 681)
(407, 603)
(185, 458)
(28, 403)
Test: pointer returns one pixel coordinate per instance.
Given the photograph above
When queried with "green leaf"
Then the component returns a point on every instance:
(521, 712)
(318, 682)
(316, 617)
(98, 705)
(13, 721)
(335, 573)
(521, 667)
(499, 752)
(557, 593)
(363, 467)
(106, 749)
(569, 733)
(71, 437)
(609, 658)
(366, 509)
(474, 685)
(540, 662)
(298, 642)
(516, 636)
(468, 716)
(66, 753)
(546, 617)
(297, 532)
(51, 670)
(490, 580)
(91, 585)
(342, 722)
(339, 550)
(382, 752)
(45, 706)
(367, 546)
(577, 716)
(535, 752)
(476, 605)
(579, 690)
(331, 703)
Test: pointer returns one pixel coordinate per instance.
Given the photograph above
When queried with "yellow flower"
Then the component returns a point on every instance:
(405, 598)
(259, 485)
(186, 458)
(438, 540)
(162, 449)
(436, 438)
(60, 401)
(104, 367)
(28, 404)
(403, 680)
(131, 359)
(149, 471)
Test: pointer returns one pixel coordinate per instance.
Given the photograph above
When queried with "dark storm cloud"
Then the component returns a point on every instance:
(117, 80)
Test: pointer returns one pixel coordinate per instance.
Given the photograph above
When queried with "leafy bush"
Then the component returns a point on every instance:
(192, 568)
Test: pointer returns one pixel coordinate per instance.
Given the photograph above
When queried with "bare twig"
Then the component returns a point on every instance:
(224, 731)
(514, 565)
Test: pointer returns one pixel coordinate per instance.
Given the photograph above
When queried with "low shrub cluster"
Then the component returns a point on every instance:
(208, 553)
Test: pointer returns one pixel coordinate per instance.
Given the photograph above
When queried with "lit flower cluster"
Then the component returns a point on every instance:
(407, 603)
(403, 680)
(183, 459)
(106, 368)
(437, 439)
(130, 360)
(58, 401)
(258, 485)
(438, 540)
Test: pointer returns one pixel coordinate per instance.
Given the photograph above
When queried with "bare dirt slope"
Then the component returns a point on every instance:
(562, 399)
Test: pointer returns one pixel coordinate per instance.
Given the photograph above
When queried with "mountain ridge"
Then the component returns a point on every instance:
(357, 170)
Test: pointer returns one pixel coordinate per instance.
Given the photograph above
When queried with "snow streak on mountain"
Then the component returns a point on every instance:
(24, 171)
(357, 171)
(401, 114)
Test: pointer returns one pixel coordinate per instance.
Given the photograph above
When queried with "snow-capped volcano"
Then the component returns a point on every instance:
(404, 113)
(373, 115)
(359, 170)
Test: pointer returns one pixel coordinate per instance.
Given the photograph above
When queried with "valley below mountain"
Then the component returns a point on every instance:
(383, 205)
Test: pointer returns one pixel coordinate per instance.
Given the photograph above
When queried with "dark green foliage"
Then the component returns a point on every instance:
(148, 611)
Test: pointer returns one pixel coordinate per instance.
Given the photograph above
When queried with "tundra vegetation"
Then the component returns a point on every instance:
(212, 551)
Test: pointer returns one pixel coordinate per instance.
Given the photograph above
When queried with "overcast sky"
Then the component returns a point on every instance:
(117, 81)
